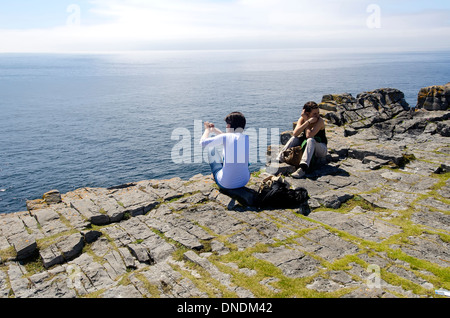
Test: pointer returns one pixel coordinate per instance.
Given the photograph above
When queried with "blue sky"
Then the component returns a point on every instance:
(112, 25)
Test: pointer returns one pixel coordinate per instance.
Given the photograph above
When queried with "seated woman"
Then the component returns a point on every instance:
(310, 127)
(233, 171)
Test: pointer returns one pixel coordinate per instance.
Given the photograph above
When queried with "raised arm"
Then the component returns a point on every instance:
(211, 129)
(315, 126)
(304, 123)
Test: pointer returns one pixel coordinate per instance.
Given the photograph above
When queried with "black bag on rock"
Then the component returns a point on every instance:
(274, 192)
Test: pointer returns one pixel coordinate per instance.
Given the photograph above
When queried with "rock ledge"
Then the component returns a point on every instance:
(380, 206)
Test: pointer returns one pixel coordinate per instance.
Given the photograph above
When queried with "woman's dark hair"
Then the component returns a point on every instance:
(236, 120)
(309, 106)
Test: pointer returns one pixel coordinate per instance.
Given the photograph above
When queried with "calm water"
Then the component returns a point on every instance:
(70, 121)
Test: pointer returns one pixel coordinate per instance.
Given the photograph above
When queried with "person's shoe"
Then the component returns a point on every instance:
(298, 174)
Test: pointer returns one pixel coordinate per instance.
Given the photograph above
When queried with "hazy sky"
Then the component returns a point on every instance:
(121, 25)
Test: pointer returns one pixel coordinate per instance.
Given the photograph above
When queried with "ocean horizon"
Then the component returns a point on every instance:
(70, 121)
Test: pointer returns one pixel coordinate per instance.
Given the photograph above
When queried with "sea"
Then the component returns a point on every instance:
(69, 121)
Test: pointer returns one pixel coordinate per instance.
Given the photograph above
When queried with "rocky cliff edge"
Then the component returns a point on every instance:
(379, 227)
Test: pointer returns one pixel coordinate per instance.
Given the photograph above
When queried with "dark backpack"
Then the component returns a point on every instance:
(274, 192)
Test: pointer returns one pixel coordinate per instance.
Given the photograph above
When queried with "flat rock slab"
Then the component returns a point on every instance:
(65, 249)
(360, 225)
(293, 263)
(25, 246)
(428, 247)
(327, 245)
(390, 199)
(438, 221)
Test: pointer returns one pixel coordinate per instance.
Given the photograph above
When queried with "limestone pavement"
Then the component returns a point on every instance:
(379, 227)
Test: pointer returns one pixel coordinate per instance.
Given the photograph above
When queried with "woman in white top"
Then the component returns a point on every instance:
(231, 171)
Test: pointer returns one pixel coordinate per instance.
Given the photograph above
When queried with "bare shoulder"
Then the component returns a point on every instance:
(321, 122)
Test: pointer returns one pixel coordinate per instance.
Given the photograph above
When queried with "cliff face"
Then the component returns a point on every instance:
(434, 97)
(379, 226)
(366, 109)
